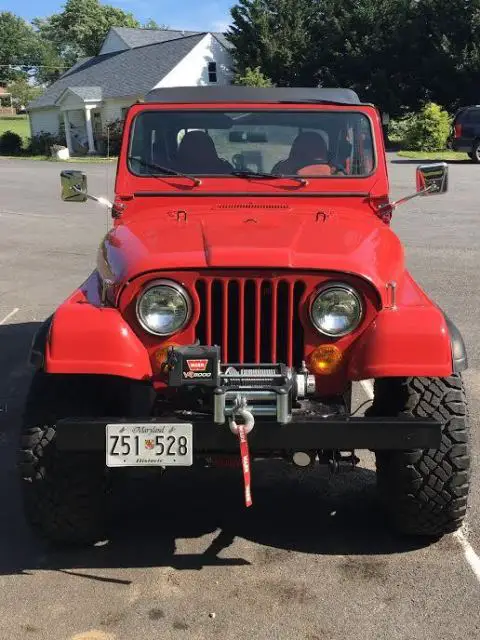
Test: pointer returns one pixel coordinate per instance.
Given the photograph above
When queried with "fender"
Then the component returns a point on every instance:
(81, 338)
(413, 337)
(409, 341)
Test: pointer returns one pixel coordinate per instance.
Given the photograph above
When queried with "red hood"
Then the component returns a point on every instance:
(357, 243)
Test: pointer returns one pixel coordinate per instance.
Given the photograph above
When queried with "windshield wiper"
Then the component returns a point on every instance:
(164, 170)
(275, 176)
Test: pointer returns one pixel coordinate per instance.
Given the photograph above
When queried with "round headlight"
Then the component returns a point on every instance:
(337, 310)
(164, 308)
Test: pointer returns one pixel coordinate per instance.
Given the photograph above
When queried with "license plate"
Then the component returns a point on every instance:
(149, 445)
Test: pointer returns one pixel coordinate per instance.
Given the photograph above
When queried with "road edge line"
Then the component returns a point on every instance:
(471, 556)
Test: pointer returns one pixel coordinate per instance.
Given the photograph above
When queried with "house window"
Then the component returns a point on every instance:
(212, 72)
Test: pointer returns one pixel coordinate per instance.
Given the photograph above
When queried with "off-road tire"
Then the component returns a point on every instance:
(475, 153)
(425, 491)
(65, 494)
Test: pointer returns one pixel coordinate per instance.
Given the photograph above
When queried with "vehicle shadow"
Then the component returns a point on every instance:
(303, 511)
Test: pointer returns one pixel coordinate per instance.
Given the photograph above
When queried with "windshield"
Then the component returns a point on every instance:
(288, 143)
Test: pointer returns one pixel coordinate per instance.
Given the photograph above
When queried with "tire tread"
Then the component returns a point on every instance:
(426, 491)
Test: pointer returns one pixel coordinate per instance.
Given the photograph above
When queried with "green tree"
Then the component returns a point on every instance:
(80, 29)
(364, 45)
(445, 41)
(361, 44)
(277, 37)
(152, 24)
(23, 91)
(253, 78)
(21, 50)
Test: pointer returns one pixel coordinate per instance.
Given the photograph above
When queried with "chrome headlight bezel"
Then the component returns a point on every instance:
(178, 288)
(345, 288)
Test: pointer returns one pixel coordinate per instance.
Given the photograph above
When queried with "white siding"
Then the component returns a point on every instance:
(112, 42)
(46, 120)
(112, 109)
(192, 71)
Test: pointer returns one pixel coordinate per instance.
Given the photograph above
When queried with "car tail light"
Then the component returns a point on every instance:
(458, 131)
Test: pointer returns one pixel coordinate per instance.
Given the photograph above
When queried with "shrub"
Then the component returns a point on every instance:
(10, 143)
(41, 144)
(253, 78)
(428, 130)
(111, 139)
(397, 130)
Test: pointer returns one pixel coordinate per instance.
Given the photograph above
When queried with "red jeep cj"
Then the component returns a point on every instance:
(250, 277)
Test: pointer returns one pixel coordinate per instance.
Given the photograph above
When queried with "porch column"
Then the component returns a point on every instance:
(88, 122)
(68, 132)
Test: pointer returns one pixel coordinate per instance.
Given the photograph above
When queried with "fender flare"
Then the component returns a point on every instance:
(459, 350)
(39, 344)
(99, 342)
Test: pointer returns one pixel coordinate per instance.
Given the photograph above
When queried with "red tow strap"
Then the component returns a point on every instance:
(245, 458)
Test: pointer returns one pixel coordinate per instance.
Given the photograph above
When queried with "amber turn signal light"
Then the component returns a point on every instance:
(325, 360)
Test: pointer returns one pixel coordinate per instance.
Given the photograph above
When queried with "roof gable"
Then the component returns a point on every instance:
(86, 94)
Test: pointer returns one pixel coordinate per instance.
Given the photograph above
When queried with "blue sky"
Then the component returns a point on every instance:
(201, 15)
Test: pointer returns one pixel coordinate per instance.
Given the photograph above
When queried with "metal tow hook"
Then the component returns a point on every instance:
(242, 430)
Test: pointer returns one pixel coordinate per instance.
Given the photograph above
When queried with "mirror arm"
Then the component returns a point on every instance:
(100, 200)
(397, 203)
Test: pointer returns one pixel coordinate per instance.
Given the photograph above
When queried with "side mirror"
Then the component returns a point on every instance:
(432, 179)
(74, 186)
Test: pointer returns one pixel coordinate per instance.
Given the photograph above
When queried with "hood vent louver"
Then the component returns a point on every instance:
(250, 205)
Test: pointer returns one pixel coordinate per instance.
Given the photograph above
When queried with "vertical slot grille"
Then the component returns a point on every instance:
(253, 320)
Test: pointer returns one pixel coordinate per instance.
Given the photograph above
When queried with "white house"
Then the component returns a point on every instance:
(97, 91)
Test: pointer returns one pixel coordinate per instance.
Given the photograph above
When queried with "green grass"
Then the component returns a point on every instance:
(80, 160)
(433, 155)
(17, 124)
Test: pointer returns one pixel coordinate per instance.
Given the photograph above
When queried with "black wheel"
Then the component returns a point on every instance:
(65, 494)
(475, 155)
(425, 491)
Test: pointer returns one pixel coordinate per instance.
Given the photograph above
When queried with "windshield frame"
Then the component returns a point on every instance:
(347, 109)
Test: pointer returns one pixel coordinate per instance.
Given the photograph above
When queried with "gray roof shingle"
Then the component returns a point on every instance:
(134, 38)
(140, 37)
(87, 93)
(130, 72)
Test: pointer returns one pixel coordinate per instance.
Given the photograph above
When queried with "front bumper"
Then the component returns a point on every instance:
(268, 437)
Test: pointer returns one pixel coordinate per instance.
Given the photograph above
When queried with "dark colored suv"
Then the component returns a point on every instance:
(466, 132)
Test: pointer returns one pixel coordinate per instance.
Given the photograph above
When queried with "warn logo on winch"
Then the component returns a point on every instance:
(197, 365)
(197, 369)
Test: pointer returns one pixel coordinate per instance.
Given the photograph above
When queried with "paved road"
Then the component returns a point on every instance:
(311, 561)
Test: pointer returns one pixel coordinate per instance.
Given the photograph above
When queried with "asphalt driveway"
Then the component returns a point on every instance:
(314, 559)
